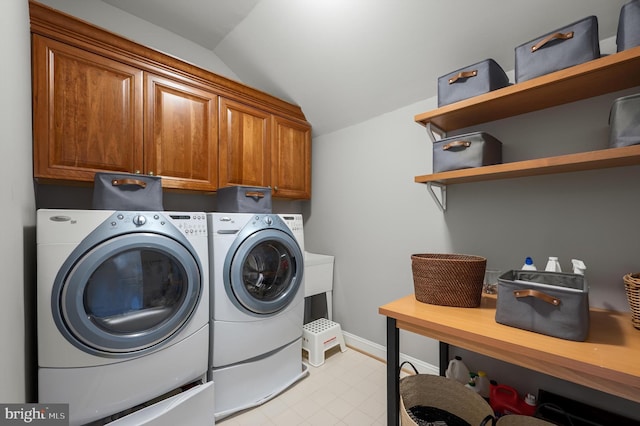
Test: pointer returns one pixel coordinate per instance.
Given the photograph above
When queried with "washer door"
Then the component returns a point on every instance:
(265, 271)
(127, 294)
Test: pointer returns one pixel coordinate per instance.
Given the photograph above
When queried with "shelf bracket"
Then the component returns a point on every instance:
(435, 133)
(442, 201)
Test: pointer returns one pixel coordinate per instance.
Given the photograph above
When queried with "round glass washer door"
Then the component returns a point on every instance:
(265, 272)
(127, 294)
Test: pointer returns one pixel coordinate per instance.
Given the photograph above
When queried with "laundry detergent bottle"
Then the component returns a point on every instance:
(457, 370)
(505, 400)
(553, 265)
(482, 385)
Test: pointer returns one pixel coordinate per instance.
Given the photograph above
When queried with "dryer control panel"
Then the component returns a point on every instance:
(294, 221)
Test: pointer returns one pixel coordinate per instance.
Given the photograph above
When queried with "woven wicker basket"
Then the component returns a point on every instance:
(452, 397)
(448, 279)
(443, 393)
(632, 286)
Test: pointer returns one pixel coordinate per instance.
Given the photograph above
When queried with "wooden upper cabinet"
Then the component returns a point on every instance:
(181, 134)
(87, 113)
(93, 114)
(291, 159)
(244, 145)
(261, 149)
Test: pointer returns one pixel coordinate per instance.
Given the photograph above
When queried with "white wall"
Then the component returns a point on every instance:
(17, 226)
(368, 213)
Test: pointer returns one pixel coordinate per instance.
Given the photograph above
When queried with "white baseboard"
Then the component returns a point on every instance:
(380, 352)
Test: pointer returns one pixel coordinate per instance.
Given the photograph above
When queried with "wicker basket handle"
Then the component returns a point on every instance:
(415, 370)
(538, 295)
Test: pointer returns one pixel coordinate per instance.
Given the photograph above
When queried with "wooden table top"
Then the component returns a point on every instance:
(609, 360)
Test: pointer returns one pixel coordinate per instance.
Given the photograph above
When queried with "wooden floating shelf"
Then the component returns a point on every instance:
(606, 158)
(597, 77)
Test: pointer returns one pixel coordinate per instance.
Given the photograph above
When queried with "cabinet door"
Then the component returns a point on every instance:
(180, 134)
(87, 113)
(291, 159)
(244, 145)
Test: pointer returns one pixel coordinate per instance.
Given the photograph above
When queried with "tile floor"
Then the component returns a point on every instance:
(348, 389)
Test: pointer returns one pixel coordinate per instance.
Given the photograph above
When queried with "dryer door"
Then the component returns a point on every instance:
(265, 271)
(127, 294)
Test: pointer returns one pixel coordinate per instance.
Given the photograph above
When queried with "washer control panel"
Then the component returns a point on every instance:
(188, 223)
(192, 224)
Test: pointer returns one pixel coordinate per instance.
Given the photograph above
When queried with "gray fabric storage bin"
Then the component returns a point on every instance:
(559, 49)
(244, 199)
(628, 35)
(624, 121)
(466, 151)
(127, 191)
(471, 81)
(551, 303)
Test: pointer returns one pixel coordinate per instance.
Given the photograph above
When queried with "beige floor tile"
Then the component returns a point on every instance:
(339, 408)
(358, 418)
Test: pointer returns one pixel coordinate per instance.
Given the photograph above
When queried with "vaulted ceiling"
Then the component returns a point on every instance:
(345, 61)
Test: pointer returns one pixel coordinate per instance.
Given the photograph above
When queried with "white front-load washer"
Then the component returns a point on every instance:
(122, 308)
(257, 308)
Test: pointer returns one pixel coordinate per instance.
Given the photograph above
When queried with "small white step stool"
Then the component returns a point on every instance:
(319, 336)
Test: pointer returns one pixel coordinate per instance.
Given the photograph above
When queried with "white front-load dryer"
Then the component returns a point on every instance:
(122, 307)
(257, 308)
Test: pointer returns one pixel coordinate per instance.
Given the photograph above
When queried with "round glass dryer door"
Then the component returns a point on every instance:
(127, 294)
(266, 271)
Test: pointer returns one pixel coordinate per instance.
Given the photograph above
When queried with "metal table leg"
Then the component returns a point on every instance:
(444, 357)
(393, 373)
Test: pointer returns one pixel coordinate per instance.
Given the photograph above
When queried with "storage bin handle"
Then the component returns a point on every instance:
(119, 182)
(547, 39)
(254, 194)
(463, 74)
(456, 144)
(537, 294)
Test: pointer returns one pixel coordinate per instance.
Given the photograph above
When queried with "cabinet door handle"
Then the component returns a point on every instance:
(150, 173)
(538, 295)
(119, 182)
(547, 39)
(463, 74)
